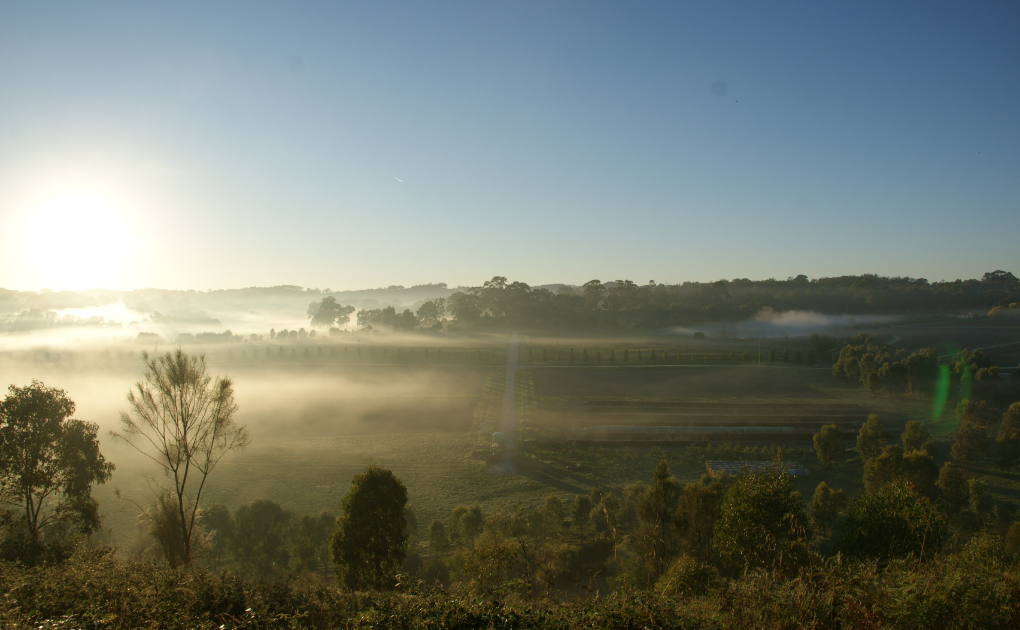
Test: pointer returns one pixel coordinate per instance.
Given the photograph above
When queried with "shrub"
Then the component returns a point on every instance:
(871, 438)
(761, 523)
(891, 523)
(687, 577)
(829, 445)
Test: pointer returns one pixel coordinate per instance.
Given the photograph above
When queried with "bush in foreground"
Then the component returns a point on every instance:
(976, 588)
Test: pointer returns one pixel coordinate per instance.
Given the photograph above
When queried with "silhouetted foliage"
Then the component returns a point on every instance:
(829, 445)
(762, 523)
(370, 539)
(870, 438)
(49, 462)
(891, 523)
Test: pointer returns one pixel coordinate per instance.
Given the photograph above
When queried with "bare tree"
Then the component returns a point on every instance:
(184, 421)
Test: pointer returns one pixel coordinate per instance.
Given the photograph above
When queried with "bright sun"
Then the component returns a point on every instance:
(76, 240)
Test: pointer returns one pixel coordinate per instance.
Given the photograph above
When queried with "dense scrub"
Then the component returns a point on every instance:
(975, 588)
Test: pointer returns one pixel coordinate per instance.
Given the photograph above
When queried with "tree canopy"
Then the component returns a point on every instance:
(891, 523)
(49, 462)
(370, 539)
(328, 313)
(621, 303)
(762, 523)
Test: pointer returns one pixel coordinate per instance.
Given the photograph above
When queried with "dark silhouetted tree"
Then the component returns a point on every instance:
(954, 489)
(884, 468)
(310, 552)
(826, 506)
(438, 542)
(466, 523)
(971, 437)
(829, 446)
(370, 539)
(762, 523)
(696, 513)
(49, 462)
(657, 533)
(1008, 439)
(261, 533)
(891, 523)
(915, 436)
(871, 438)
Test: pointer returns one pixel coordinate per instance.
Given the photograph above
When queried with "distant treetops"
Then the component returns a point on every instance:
(624, 303)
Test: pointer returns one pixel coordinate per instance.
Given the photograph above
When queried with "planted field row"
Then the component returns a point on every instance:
(722, 412)
(395, 355)
(637, 441)
(618, 430)
(722, 421)
(661, 355)
(279, 354)
(639, 405)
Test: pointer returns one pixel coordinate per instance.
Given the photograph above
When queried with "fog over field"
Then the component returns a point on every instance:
(525, 314)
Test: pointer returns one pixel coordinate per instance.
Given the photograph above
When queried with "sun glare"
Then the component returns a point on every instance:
(76, 240)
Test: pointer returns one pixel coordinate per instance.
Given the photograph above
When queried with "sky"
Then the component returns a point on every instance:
(202, 145)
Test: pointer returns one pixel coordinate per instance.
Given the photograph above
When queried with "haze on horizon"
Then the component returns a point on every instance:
(350, 146)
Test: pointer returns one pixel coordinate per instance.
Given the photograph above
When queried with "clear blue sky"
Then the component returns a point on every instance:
(213, 144)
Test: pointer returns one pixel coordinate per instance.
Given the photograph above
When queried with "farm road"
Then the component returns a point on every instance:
(508, 415)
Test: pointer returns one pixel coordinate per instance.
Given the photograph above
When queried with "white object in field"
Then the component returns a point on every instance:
(482, 429)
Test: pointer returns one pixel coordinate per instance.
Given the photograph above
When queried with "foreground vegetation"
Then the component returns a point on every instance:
(975, 588)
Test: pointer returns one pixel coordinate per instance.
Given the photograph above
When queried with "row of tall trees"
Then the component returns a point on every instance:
(878, 367)
(872, 363)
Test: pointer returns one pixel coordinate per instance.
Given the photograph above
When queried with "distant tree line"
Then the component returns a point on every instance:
(619, 304)
(623, 303)
(875, 365)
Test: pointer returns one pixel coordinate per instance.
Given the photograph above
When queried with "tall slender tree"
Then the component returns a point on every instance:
(183, 420)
